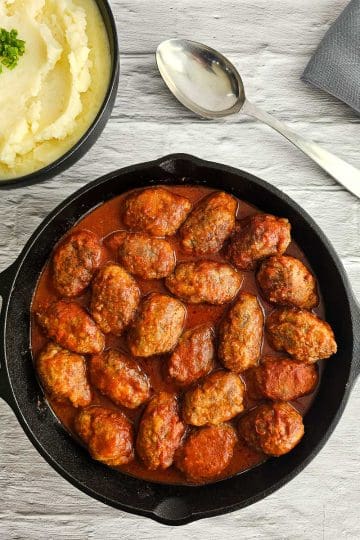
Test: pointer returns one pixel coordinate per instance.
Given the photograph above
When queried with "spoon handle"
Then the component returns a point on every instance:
(342, 172)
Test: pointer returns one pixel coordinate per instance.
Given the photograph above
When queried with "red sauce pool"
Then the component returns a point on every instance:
(103, 221)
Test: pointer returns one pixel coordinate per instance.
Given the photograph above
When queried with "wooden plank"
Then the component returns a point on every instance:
(230, 25)
(271, 79)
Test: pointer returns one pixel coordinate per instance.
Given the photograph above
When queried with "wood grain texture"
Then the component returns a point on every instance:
(271, 42)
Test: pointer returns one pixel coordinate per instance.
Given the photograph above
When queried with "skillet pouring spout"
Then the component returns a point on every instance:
(6, 282)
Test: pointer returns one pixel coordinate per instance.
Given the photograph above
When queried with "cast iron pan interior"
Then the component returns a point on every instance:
(174, 505)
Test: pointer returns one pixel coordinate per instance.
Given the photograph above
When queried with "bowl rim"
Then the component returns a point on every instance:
(60, 164)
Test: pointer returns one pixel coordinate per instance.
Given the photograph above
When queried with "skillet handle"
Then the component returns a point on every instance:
(356, 361)
(6, 282)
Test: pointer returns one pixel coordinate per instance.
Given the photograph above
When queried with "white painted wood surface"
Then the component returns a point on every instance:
(270, 41)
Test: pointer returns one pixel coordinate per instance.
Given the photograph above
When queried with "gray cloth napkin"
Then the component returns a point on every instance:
(335, 66)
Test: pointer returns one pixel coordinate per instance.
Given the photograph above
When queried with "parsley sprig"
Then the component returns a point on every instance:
(11, 48)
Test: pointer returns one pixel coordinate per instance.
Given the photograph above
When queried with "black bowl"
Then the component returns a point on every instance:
(92, 134)
(174, 505)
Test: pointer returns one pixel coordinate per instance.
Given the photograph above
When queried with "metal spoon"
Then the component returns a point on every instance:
(209, 85)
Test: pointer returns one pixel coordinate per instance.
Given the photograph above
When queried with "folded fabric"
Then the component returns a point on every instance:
(335, 66)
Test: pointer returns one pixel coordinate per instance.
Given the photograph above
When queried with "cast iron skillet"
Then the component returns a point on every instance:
(173, 505)
(94, 131)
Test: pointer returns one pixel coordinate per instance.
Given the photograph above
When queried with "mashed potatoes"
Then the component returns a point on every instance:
(50, 99)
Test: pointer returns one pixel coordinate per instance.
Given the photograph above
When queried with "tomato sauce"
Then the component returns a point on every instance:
(105, 220)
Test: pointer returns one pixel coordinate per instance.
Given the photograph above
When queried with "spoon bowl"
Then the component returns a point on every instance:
(202, 79)
(208, 84)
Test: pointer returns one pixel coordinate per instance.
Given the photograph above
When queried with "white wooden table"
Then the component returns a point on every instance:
(270, 41)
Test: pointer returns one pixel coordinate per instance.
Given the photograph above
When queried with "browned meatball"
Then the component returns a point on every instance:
(217, 399)
(286, 281)
(257, 237)
(241, 334)
(63, 375)
(160, 432)
(193, 357)
(209, 224)
(156, 211)
(207, 452)
(301, 334)
(146, 256)
(281, 379)
(115, 298)
(158, 325)
(75, 260)
(108, 435)
(119, 378)
(272, 428)
(204, 281)
(69, 325)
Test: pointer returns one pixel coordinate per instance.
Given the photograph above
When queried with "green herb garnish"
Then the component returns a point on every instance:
(11, 48)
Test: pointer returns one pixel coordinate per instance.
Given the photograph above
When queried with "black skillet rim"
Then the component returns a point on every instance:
(91, 135)
(166, 163)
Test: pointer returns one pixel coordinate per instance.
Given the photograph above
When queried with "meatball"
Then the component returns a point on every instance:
(257, 237)
(107, 433)
(70, 326)
(281, 379)
(193, 357)
(209, 224)
(204, 281)
(286, 281)
(241, 334)
(218, 399)
(301, 334)
(115, 299)
(206, 453)
(146, 256)
(74, 262)
(119, 378)
(272, 428)
(158, 325)
(160, 432)
(63, 375)
(156, 211)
